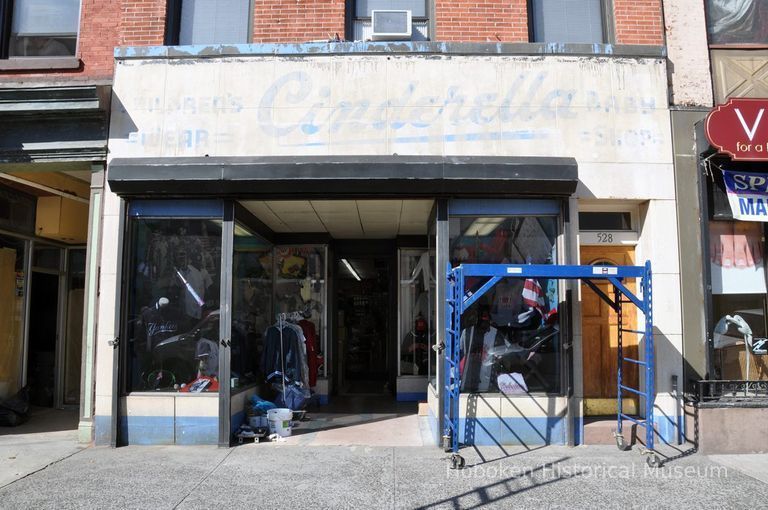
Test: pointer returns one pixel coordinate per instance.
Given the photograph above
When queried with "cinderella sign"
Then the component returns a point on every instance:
(608, 110)
(526, 99)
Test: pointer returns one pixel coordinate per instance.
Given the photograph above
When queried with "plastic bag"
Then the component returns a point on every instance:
(290, 394)
(261, 406)
(294, 396)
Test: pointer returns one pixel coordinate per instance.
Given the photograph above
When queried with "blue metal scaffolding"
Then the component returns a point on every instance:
(459, 300)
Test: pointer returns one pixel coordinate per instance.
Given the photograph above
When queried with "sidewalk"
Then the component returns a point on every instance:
(48, 438)
(279, 475)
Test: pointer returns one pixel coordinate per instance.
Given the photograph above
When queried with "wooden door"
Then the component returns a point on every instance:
(600, 336)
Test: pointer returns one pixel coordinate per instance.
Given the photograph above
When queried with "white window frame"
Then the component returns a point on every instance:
(611, 237)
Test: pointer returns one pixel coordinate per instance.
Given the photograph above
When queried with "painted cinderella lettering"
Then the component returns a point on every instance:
(269, 100)
(407, 109)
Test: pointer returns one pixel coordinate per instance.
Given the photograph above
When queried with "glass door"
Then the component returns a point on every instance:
(72, 347)
(416, 323)
(251, 314)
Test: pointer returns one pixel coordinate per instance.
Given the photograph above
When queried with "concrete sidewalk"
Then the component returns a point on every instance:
(48, 437)
(279, 475)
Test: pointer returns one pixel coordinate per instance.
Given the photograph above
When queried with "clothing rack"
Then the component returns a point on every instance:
(282, 319)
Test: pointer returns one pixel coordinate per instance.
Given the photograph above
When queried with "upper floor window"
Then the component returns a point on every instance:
(737, 21)
(39, 28)
(568, 21)
(208, 21)
(362, 25)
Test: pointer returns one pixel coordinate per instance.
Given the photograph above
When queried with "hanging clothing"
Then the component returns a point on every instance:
(313, 362)
(507, 302)
(157, 324)
(291, 358)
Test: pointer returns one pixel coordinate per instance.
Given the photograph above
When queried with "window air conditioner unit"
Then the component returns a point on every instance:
(391, 25)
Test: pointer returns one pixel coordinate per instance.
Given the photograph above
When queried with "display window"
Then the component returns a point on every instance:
(173, 304)
(510, 340)
(416, 314)
(738, 281)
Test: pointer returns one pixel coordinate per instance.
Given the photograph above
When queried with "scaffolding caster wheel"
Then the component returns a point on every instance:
(457, 461)
(621, 444)
(653, 460)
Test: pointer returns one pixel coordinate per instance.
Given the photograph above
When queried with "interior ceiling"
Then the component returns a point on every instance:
(344, 219)
(83, 175)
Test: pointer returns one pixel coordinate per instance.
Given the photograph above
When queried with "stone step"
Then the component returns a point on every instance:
(599, 430)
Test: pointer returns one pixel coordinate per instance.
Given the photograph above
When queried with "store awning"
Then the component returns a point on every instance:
(340, 176)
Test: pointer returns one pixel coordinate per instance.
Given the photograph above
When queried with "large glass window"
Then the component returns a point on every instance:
(737, 268)
(568, 21)
(44, 28)
(251, 305)
(737, 21)
(173, 304)
(510, 339)
(416, 319)
(212, 21)
(363, 27)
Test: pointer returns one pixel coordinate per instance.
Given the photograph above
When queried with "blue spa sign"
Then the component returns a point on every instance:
(747, 195)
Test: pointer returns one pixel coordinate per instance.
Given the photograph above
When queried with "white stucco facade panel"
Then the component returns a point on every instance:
(598, 110)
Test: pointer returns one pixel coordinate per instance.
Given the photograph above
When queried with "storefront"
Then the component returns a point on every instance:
(328, 191)
(735, 214)
(52, 155)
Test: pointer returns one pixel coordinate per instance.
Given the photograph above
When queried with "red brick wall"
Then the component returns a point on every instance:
(105, 24)
(481, 20)
(143, 23)
(638, 22)
(276, 21)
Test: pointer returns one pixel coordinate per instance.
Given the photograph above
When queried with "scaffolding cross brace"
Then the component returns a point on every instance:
(459, 300)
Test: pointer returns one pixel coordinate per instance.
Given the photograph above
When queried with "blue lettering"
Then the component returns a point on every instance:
(746, 206)
(760, 208)
(267, 103)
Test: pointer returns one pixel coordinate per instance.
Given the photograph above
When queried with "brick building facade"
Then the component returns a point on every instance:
(534, 86)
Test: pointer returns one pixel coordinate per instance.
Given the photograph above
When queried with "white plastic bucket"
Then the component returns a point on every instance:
(280, 421)
(258, 422)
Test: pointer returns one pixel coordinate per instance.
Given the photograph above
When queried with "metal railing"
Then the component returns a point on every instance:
(732, 391)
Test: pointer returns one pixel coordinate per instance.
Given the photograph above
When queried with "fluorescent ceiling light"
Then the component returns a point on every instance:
(351, 269)
(482, 227)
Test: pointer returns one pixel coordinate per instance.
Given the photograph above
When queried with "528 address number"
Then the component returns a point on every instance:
(604, 237)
